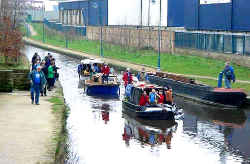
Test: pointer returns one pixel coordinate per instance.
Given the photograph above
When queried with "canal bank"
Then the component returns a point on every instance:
(31, 133)
(120, 65)
(95, 135)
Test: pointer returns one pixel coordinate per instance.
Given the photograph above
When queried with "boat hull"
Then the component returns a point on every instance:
(136, 111)
(105, 90)
(231, 98)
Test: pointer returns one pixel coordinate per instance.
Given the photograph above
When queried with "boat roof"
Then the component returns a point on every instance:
(92, 61)
(143, 85)
(86, 61)
(96, 61)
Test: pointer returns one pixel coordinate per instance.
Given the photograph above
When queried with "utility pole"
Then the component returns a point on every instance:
(141, 13)
(43, 23)
(101, 23)
(159, 42)
(149, 12)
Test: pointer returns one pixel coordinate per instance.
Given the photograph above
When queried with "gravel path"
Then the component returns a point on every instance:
(26, 130)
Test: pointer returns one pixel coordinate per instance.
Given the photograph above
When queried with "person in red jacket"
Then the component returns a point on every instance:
(144, 99)
(105, 73)
(127, 77)
(160, 98)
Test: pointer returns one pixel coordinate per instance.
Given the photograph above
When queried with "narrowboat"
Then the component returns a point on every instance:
(92, 81)
(225, 98)
(95, 87)
(203, 112)
(163, 111)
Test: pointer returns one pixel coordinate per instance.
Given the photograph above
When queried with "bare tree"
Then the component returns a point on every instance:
(11, 14)
(14, 10)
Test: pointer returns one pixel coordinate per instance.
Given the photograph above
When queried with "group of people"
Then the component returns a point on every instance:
(43, 74)
(89, 70)
(156, 97)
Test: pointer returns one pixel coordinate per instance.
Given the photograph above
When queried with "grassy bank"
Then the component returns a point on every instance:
(175, 63)
(60, 112)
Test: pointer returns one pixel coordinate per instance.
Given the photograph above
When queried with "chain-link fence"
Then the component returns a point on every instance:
(222, 43)
(119, 41)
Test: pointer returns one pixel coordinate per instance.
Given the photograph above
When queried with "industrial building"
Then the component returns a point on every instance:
(223, 15)
(120, 12)
(220, 26)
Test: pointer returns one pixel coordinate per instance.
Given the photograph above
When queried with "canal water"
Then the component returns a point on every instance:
(100, 133)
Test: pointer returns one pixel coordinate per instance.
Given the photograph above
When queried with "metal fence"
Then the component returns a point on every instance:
(80, 30)
(222, 43)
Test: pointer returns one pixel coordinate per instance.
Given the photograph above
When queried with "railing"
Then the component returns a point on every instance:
(222, 43)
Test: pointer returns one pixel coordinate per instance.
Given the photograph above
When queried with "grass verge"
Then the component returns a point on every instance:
(175, 63)
(61, 113)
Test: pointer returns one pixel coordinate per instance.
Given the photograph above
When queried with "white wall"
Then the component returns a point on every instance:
(128, 12)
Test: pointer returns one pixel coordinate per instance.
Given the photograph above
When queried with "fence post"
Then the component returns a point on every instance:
(244, 45)
(233, 46)
(223, 43)
(43, 31)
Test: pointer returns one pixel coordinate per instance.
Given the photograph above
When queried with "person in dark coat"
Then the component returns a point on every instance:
(228, 75)
(45, 72)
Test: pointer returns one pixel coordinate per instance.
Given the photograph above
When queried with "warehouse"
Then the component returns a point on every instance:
(121, 12)
(85, 12)
(223, 15)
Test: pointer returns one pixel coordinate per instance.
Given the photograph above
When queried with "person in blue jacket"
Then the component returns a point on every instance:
(229, 75)
(80, 68)
(37, 81)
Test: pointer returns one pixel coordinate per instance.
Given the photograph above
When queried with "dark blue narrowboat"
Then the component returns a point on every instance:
(226, 98)
(164, 111)
(97, 88)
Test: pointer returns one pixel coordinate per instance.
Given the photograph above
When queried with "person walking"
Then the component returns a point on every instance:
(228, 75)
(51, 75)
(44, 69)
(37, 80)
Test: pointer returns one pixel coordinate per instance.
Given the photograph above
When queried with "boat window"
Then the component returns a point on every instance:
(136, 96)
(131, 94)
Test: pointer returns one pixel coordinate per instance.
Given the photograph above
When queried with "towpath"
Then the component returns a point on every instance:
(26, 130)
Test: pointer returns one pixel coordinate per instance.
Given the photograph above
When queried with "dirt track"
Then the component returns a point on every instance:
(26, 130)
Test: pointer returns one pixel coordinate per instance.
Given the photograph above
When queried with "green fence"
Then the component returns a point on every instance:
(223, 43)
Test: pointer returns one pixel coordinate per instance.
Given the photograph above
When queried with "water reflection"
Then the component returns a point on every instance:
(100, 133)
(148, 133)
(222, 130)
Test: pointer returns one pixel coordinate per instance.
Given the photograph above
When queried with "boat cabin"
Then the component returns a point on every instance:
(137, 91)
(89, 66)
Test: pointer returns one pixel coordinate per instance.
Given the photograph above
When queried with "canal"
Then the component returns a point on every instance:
(100, 133)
